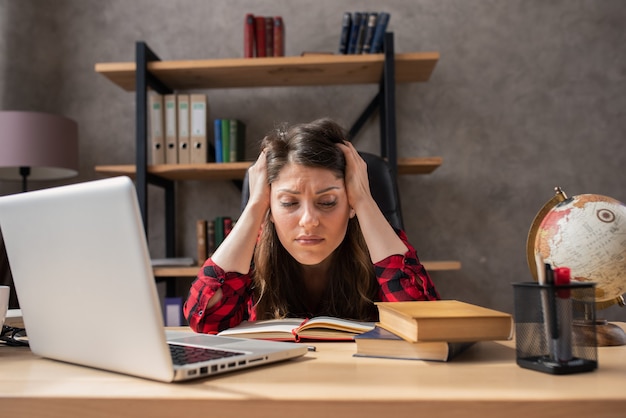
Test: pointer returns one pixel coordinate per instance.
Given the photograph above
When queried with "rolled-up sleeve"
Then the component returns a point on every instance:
(403, 277)
(229, 311)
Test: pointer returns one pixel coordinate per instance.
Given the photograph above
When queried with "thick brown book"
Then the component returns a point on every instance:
(385, 344)
(444, 320)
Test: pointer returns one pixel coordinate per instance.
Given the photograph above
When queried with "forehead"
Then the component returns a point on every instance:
(297, 177)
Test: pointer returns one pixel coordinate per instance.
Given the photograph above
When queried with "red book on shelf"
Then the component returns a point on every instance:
(279, 37)
(259, 31)
(269, 37)
(248, 36)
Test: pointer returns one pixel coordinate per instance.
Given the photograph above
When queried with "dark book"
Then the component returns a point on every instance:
(219, 230)
(379, 34)
(259, 36)
(237, 140)
(248, 36)
(361, 34)
(346, 24)
(269, 36)
(382, 343)
(210, 237)
(354, 32)
(279, 36)
(372, 18)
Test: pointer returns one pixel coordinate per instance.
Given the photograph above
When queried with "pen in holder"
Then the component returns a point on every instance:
(555, 326)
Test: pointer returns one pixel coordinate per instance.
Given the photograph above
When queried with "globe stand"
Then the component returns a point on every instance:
(607, 334)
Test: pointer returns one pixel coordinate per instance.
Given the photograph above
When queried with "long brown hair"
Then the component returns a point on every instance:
(279, 288)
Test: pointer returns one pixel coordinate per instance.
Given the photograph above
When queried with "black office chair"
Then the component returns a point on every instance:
(382, 185)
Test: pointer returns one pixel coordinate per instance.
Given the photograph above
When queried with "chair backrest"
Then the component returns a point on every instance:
(382, 185)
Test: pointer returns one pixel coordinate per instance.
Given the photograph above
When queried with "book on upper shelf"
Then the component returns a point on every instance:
(444, 320)
(157, 136)
(279, 36)
(379, 33)
(344, 37)
(259, 36)
(369, 32)
(353, 40)
(248, 36)
(321, 328)
(269, 36)
(385, 344)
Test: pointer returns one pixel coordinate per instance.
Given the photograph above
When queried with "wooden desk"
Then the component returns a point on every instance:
(483, 382)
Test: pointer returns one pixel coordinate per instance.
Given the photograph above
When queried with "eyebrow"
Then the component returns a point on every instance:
(317, 192)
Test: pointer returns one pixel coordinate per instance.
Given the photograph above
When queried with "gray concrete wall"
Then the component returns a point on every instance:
(528, 94)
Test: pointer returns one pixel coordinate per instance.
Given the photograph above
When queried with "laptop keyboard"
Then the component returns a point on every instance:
(183, 354)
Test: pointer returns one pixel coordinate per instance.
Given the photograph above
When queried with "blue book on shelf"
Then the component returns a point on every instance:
(379, 34)
(370, 29)
(354, 32)
(217, 130)
(346, 24)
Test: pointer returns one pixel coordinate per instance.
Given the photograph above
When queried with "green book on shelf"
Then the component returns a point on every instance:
(225, 141)
(237, 140)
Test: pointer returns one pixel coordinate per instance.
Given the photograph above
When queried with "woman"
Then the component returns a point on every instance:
(324, 248)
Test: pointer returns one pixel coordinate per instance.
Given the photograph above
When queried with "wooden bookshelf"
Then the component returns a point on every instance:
(192, 271)
(237, 171)
(293, 71)
(310, 70)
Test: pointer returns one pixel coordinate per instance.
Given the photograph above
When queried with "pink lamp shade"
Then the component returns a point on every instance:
(46, 144)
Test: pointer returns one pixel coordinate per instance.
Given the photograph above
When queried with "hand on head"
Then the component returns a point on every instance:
(257, 179)
(357, 183)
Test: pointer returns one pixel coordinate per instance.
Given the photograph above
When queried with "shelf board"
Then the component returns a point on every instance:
(308, 70)
(237, 171)
(445, 265)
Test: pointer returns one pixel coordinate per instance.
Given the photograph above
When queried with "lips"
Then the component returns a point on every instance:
(309, 239)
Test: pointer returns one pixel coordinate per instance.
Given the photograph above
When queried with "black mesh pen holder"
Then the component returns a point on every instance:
(555, 327)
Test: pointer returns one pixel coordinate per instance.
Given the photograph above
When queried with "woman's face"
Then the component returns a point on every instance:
(310, 211)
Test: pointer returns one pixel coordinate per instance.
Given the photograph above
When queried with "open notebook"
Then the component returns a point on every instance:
(82, 273)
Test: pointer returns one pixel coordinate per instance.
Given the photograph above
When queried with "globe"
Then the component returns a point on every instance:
(586, 233)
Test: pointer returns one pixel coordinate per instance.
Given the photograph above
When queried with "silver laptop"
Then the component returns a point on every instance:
(82, 273)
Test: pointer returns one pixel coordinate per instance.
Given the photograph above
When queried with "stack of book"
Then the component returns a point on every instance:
(263, 36)
(363, 32)
(178, 128)
(229, 140)
(431, 330)
(210, 234)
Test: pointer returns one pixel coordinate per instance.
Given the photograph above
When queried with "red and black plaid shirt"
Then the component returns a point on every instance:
(401, 277)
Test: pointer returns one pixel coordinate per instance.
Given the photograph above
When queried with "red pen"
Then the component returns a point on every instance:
(562, 277)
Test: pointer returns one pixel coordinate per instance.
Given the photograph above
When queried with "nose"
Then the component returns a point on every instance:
(309, 217)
